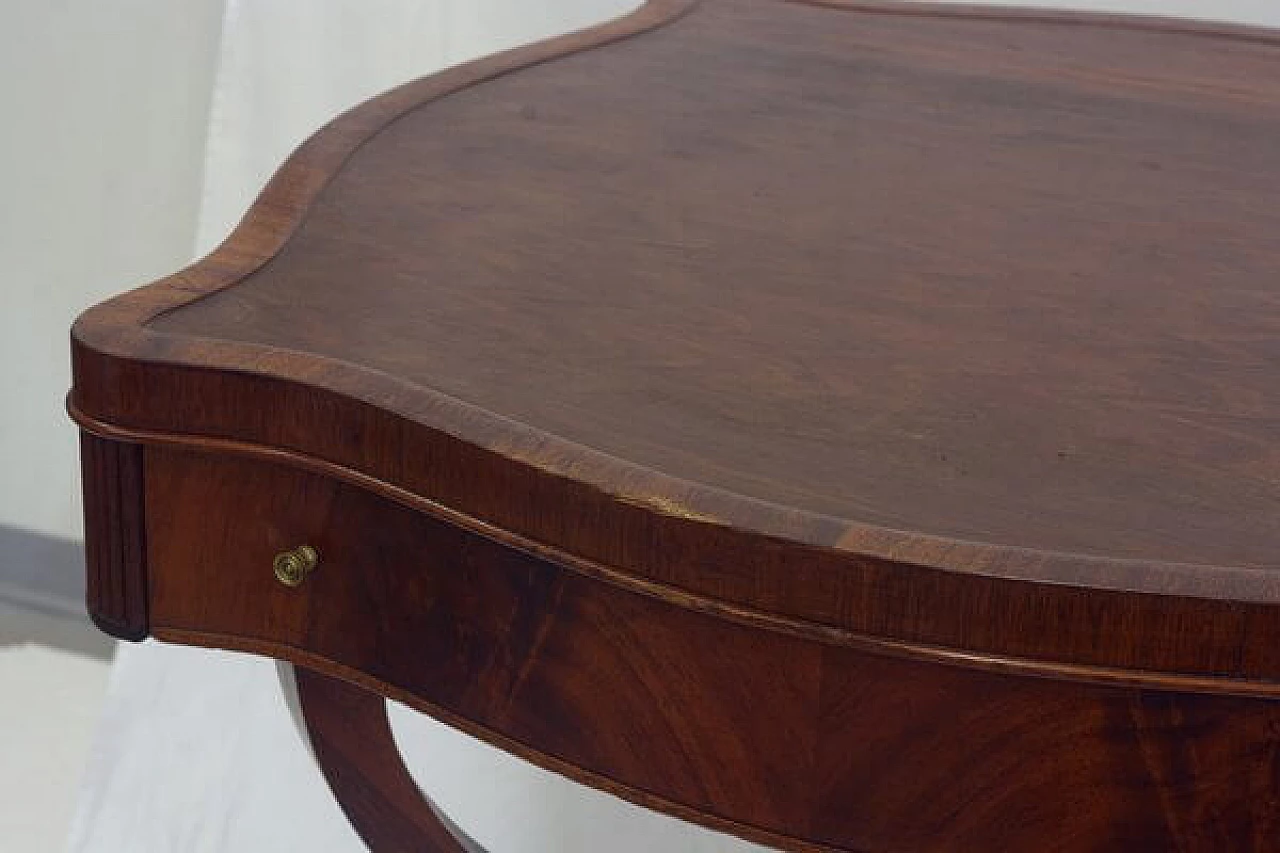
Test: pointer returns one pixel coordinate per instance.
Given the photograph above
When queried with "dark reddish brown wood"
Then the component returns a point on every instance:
(848, 426)
(926, 758)
(495, 640)
(352, 741)
(115, 547)
(800, 742)
(1030, 341)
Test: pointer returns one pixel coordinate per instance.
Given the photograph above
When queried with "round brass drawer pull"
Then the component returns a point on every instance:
(293, 566)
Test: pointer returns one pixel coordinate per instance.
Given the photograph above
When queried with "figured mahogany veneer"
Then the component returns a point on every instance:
(850, 426)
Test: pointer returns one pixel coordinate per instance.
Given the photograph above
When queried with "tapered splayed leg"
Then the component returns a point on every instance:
(351, 739)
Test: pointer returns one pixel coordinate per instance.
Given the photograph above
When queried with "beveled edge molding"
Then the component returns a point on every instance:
(636, 796)
(736, 613)
(115, 535)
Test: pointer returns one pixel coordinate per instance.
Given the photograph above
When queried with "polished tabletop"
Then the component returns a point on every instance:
(1007, 284)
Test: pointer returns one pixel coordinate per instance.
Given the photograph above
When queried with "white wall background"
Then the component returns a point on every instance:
(134, 134)
(102, 127)
(1255, 12)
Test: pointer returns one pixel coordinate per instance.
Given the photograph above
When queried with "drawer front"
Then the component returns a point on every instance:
(735, 725)
(668, 702)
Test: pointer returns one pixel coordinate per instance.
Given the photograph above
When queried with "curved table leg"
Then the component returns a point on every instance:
(350, 736)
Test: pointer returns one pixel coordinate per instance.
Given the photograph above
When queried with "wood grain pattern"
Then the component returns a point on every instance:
(793, 741)
(1033, 339)
(850, 426)
(1064, 670)
(115, 547)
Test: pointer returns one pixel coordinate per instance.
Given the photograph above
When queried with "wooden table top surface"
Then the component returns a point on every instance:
(927, 293)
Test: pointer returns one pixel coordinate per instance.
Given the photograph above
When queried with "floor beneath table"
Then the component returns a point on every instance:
(53, 679)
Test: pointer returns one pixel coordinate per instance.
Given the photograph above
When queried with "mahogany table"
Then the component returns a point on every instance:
(852, 427)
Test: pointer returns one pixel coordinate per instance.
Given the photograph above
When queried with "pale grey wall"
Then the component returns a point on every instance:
(1255, 12)
(104, 109)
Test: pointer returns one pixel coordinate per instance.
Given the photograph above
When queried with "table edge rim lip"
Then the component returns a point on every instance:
(747, 614)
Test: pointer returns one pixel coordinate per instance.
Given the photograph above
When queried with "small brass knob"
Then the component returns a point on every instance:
(293, 566)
